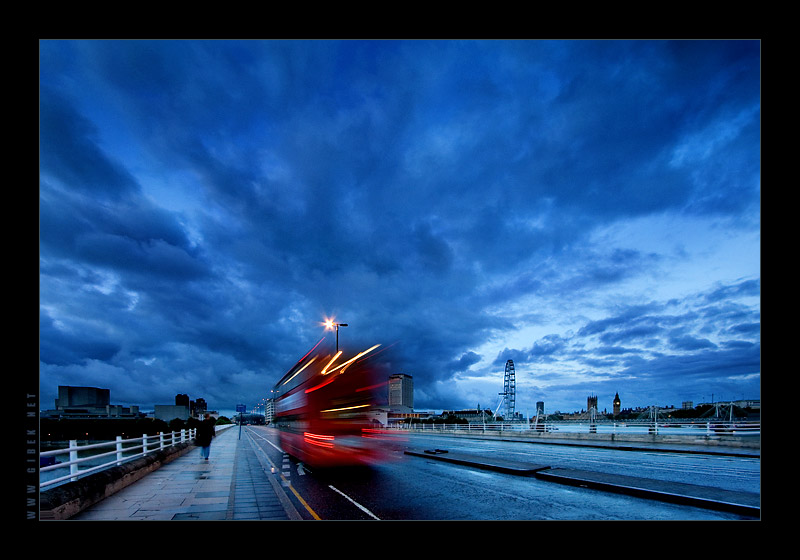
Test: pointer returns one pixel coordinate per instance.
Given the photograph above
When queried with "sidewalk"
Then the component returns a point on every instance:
(234, 484)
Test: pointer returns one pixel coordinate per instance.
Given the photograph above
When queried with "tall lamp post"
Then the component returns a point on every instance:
(335, 326)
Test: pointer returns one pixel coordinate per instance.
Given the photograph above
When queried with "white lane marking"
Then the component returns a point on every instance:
(285, 466)
(355, 503)
(300, 466)
(268, 441)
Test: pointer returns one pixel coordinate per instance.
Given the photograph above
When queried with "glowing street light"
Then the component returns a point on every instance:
(330, 325)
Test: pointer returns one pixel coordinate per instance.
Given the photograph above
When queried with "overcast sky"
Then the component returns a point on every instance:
(588, 209)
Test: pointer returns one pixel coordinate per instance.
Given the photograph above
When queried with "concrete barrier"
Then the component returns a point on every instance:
(748, 441)
(752, 441)
(67, 500)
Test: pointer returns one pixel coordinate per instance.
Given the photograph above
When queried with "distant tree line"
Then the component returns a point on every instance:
(698, 412)
(107, 429)
(449, 419)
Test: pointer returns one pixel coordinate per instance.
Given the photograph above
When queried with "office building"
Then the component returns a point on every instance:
(88, 402)
(169, 412)
(401, 392)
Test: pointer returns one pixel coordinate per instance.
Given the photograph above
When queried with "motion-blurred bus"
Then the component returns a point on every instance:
(325, 408)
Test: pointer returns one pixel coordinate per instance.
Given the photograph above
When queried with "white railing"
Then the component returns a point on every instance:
(689, 428)
(124, 450)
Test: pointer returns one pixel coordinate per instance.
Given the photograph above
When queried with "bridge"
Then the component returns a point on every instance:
(249, 478)
(236, 483)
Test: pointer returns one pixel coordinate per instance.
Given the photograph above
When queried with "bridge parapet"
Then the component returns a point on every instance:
(710, 435)
(63, 502)
(70, 498)
(746, 442)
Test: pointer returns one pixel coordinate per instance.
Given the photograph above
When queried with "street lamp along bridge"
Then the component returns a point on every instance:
(330, 325)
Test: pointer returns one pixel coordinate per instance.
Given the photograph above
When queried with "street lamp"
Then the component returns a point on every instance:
(329, 324)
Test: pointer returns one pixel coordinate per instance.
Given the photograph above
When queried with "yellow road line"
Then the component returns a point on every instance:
(302, 501)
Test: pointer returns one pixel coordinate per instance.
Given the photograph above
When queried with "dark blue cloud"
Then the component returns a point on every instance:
(78, 163)
(205, 204)
(62, 348)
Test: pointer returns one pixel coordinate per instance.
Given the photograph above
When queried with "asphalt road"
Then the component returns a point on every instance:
(418, 488)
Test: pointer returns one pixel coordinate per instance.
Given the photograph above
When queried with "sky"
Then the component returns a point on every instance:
(588, 209)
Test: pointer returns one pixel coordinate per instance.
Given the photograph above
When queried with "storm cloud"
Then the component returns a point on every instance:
(589, 209)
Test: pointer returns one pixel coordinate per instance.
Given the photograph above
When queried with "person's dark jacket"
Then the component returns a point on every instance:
(205, 431)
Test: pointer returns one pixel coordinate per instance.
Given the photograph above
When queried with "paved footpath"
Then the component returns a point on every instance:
(236, 483)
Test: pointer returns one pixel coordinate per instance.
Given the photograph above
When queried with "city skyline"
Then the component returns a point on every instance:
(259, 407)
(588, 209)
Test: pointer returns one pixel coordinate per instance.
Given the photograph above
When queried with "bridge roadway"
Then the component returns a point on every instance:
(240, 482)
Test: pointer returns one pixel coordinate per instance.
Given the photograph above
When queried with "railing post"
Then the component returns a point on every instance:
(73, 456)
(119, 450)
(161, 440)
(183, 436)
(144, 444)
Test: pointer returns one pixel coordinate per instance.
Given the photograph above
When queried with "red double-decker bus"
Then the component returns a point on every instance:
(325, 408)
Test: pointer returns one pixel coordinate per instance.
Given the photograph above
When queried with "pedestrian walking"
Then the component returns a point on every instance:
(205, 432)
